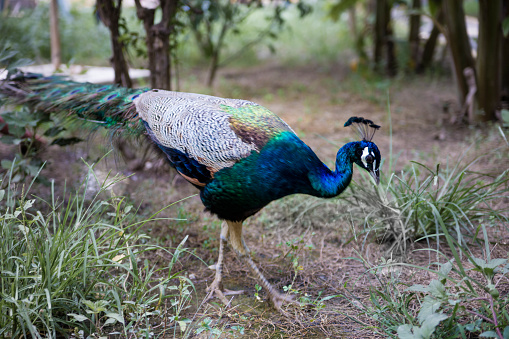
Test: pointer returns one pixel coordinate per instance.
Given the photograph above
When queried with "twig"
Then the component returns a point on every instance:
(480, 316)
(495, 320)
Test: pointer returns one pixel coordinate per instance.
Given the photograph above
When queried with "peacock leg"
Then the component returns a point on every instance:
(238, 244)
(216, 288)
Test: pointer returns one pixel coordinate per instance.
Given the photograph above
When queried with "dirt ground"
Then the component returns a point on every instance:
(317, 235)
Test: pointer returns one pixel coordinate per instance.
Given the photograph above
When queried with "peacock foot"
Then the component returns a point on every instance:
(216, 290)
(277, 299)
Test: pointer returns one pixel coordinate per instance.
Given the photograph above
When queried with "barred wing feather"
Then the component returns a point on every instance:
(215, 132)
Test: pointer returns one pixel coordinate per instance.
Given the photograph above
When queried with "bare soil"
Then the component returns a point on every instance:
(299, 240)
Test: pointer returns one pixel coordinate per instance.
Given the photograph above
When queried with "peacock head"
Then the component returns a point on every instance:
(366, 153)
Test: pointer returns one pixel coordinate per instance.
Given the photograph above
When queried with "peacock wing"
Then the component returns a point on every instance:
(203, 134)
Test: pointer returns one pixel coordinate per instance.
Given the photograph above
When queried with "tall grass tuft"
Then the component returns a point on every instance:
(407, 206)
(78, 267)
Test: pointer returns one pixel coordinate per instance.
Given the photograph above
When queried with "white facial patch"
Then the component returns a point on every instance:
(365, 153)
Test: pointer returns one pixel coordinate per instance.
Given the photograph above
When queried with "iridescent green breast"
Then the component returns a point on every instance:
(255, 124)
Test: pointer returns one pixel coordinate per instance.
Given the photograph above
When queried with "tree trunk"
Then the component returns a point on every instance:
(55, 35)
(158, 41)
(505, 57)
(109, 13)
(147, 16)
(459, 44)
(214, 65)
(379, 32)
(392, 63)
(489, 63)
(352, 21)
(119, 61)
(413, 35)
(384, 40)
(429, 46)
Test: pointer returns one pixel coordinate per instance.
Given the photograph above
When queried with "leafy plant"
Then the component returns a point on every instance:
(212, 21)
(407, 206)
(29, 129)
(453, 304)
(82, 40)
(75, 264)
(22, 128)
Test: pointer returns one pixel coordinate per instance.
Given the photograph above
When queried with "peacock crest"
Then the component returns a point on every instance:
(366, 128)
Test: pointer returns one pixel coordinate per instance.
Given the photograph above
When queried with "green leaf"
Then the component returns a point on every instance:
(182, 325)
(494, 263)
(338, 8)
(473, 327)
(66, 141)
(423, 332)
(429, 325)
(10, 140)
(96, 307)
(479, 262)
(434, 6)
(78, 317)
(53, 131)
(116, 316)
(505, 27)
(405, 332)
(324, 298)
(28, 204)
(429, 306)
(6, 164)
(20, 63)
(436, 288)
(445, 269)
(418, 288)
(6, 55)
(110, 321)
(506, 332)
(489, 334)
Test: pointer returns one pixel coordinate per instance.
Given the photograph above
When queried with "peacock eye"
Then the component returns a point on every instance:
(369, 159)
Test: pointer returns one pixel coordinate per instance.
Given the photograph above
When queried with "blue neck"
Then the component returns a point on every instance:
(327, 183)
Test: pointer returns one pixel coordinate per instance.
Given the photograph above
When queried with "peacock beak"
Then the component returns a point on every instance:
(376, 176)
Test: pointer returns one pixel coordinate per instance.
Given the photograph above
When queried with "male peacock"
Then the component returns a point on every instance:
(238, 154)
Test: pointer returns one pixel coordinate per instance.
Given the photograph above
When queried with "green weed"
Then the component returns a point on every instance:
(77, 266)
(457, 303)
(406, 206)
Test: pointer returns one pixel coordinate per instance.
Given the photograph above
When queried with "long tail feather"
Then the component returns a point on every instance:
(107, 105)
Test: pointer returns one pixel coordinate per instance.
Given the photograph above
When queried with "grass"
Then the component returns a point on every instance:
(407, 206)
(79, 266)
(460, 301)
(455, 208)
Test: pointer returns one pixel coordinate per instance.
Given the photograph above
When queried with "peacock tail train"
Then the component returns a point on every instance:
(107, 105)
